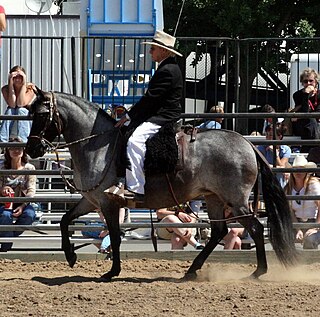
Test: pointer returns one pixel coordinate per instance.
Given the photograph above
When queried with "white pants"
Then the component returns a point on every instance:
(136, 149)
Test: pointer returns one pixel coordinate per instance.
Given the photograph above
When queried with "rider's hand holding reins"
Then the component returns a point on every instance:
(121, 122)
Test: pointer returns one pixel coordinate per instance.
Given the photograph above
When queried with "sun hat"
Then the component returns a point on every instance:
(165, 41)
(301, 161)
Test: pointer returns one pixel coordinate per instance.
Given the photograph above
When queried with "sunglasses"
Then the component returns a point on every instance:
(306, 81)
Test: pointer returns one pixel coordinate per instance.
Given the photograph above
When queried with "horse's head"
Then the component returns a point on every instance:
(46, 124)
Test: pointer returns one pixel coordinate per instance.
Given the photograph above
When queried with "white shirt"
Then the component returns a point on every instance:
(307, 209)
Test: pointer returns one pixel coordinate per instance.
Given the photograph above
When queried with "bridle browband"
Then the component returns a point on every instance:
(54, 116)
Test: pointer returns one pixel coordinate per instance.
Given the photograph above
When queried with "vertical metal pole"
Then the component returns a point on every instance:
(236, 78)
(73, 65)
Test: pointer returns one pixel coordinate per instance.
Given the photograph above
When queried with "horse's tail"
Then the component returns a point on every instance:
(281, 232)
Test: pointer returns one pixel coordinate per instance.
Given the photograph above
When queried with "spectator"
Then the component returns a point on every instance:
(282, 152)
(232, 240)
(15, 158)
(307, 100)
(304, 211)
(215, 123)
(103, 235)
(3, 26)
(268, 121)
(17, 94)
(179, 237)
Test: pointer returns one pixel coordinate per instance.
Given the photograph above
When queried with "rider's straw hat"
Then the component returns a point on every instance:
(164, 40)
(301, 161)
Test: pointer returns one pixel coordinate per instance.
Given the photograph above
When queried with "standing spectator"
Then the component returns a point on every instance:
(282, 152)
(307, 100)
(303, 211)
(3, 26)
(215, 123)
(179, 237)
(15, 158)
(18, 93)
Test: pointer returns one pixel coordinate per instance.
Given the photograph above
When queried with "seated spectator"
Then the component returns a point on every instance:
(282, 152)
(303, 211)
(268, 121)
(232, 240)
(15, 158)
(307, 100)
(18, 93)
(215, 123)
(103, 235)
(179, 237)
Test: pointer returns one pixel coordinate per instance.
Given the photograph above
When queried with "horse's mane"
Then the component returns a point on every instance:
(88, 105)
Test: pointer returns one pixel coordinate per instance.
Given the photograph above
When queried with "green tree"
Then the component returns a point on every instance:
(247, 19)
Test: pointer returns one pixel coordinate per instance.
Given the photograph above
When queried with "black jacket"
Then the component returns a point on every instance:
(161, 103)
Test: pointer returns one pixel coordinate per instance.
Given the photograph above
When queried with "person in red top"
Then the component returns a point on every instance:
(3, 24)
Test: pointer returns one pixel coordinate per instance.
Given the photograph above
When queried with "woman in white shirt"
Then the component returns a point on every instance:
(305, 210)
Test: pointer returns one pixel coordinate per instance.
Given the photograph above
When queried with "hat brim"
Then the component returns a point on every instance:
(308, 165)
(163, 46)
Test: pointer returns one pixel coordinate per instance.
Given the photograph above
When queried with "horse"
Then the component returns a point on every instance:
(221, 165)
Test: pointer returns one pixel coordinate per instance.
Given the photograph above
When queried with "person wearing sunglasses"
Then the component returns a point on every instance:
(307, 99)
(303, 183)
(15, 158)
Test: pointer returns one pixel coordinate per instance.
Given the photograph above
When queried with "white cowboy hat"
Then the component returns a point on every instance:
(301, 161)
(165, 41)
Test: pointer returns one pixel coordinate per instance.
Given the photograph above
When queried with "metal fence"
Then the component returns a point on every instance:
(241, 75)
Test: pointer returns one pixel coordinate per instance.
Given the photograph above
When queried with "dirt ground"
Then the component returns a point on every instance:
(149, 287)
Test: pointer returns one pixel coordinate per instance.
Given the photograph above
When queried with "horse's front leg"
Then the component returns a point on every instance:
(81, 208)
(111, 214)
(256, 229)
(217, 234)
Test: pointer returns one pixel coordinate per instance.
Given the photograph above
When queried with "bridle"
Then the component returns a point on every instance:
(51, 106)
(54, 116)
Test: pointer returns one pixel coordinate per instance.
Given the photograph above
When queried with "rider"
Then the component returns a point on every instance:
(160, 105)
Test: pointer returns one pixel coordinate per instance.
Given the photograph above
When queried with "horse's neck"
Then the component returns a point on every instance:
(88, 133)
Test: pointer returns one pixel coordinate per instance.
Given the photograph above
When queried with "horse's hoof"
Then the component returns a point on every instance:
(256, 274)
(107, 277)
(190, 276)
(72, 260)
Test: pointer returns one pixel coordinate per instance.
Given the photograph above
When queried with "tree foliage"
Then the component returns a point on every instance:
(281, 20)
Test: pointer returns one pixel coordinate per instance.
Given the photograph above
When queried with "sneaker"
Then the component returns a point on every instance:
(200, 247)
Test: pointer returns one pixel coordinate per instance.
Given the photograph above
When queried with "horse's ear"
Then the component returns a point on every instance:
(38, 92)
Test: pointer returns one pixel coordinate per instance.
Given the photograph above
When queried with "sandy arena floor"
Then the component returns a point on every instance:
(149, 287)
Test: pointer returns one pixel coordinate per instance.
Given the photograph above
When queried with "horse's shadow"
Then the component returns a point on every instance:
(61, 280)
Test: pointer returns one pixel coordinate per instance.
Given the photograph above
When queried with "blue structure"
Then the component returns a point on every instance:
(119, 67)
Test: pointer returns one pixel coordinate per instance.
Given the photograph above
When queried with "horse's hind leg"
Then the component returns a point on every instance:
(218, 231)
(256, 229)
(81, 208)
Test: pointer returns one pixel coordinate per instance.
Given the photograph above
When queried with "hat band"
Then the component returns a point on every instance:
(158, 42)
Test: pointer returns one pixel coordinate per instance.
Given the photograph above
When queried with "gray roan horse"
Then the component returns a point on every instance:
(221, 165)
